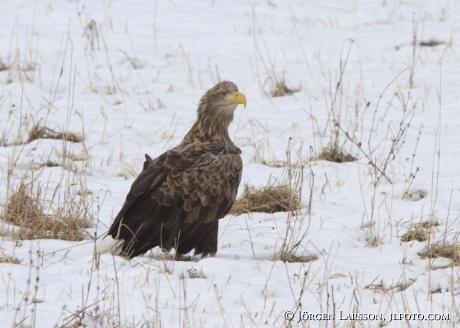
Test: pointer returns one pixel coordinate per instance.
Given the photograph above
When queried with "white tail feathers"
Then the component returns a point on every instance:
(109, 245)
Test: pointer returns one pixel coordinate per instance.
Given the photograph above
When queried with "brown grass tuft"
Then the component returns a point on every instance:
(373, 241)
(3, 66)
(196, 274)
(440, 249)
(291, 258)
(398, 287)
(4, 258)
(25, 209)
(402, 286)
(430, 43)
(429, 224)
(335, 154)
(419, 231)
(269, 199)
(415, 195)
(44, 132)
(415, 234)
(280, 89)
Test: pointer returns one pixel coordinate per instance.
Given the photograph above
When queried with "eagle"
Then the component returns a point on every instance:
(179, 197)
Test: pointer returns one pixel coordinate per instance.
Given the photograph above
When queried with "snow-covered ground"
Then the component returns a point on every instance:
(127, 76)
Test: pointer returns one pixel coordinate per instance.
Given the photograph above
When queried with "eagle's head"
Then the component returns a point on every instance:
(221, 100)
(215, 113)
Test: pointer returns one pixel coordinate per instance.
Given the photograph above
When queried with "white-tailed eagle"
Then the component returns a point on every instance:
(179, 197)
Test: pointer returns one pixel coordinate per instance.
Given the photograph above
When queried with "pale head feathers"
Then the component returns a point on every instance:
(215, 113)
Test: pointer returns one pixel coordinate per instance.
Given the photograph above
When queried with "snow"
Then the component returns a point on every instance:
(128, 75)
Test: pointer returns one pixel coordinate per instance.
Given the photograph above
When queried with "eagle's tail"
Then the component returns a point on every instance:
(110, 245)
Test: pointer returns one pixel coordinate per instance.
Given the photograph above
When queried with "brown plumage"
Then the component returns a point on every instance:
(179, 197)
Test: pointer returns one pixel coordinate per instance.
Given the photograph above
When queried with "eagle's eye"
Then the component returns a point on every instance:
(223, 94)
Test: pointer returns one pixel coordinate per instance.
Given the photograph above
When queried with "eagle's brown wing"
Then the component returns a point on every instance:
(177, 200)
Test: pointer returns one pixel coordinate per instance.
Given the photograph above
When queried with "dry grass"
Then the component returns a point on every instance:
(402, 286)
(415, 234)
(25, 208)
(419, 231)
(430, 43)
(196, 274)
(269, 199)
(429, 224)
(290, 258)
(280, 89)
(440, 249)
(398, 287)
(44, 132)
(23, 68)
(3, 66)
(415, 195)
(374, 241)
(4, 258)
(336, 155)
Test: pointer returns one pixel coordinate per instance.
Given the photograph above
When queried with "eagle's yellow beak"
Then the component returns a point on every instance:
(237, 98)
